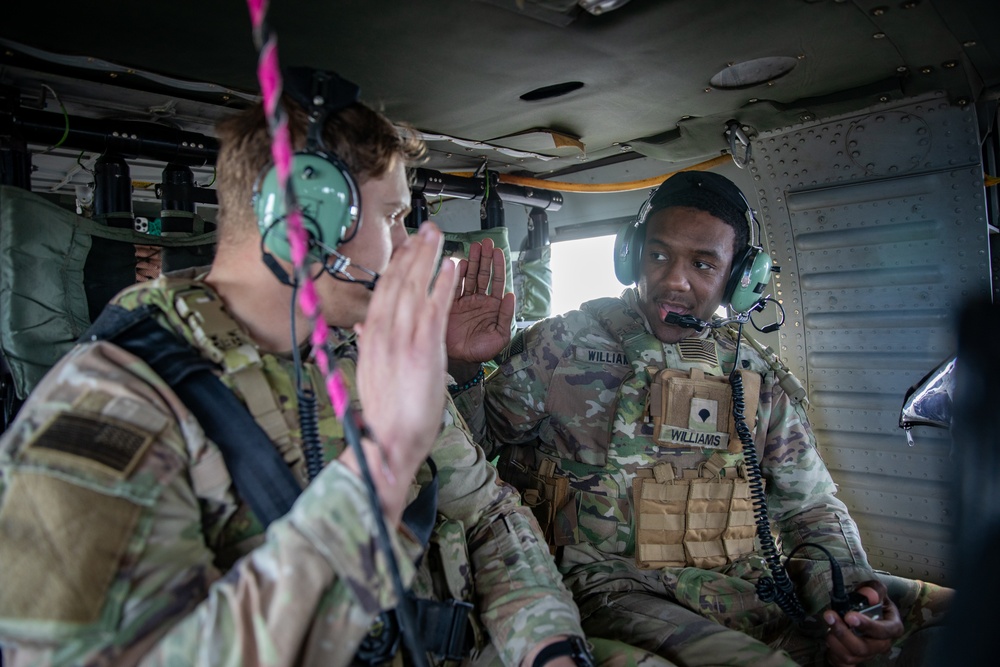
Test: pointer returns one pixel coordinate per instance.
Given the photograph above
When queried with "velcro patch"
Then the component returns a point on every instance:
(698, 350)
(686, 437)
(600, 356)
(104, 443)
(61, 545)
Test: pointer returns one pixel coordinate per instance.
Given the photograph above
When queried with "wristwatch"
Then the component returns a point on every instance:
(574, 647)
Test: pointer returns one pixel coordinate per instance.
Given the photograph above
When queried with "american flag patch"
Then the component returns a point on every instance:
(698, 349)
(110, 445)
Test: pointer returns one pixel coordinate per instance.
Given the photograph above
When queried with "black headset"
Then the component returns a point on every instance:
(751, 267)
(326, 193)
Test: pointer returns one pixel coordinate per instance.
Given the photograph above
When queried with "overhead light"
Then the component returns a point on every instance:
(753, 72)
(598, 7)
(548, 92)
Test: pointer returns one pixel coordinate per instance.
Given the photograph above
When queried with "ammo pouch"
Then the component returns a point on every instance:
(690, 409)
(544, 491)
(703, 518)
(443, 627)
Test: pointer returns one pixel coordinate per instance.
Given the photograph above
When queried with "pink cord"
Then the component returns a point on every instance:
(269, 76)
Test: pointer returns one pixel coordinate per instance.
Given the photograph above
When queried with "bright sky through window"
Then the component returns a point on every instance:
(582, 270)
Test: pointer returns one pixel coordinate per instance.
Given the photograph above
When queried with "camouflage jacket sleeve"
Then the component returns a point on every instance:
(802, 501)
(509, 407)
(518, 591)
(104, 560)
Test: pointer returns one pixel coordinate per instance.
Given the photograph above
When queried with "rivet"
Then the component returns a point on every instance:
(801, 56)
(910, 5)
(879, 35)
(770, 83)
(113, 75)
(879, 11)
(708, 90)
(883, 98)
(752, 100)
(950, 64)
(225, 98)
(625, 148)
(926, 70)
(730, 63)
(685, 117)
(901, 69)
(969, 43)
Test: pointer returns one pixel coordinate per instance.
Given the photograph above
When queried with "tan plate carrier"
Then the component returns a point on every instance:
(703, 517)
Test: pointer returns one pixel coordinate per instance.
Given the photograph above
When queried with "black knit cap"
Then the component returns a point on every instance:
(706, 191)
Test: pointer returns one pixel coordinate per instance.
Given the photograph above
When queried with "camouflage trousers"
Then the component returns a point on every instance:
(607, 653)
(652, 621)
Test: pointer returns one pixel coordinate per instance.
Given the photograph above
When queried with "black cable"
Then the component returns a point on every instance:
(404, 603)
(839, 599)
(777, 588)
(312, 448)
(313, 451)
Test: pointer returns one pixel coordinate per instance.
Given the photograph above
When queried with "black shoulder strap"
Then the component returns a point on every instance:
(261, 476)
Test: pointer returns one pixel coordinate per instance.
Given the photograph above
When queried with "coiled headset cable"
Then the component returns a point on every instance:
(777, 588)
(312, 447)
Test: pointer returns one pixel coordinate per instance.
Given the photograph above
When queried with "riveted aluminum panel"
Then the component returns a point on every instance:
(877, 220)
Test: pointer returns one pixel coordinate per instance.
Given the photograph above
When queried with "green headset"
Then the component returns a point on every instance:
(751, 266)
(326, 193)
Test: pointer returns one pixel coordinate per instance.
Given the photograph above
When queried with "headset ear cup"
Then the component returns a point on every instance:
(748, 280)
(628, 249)
(327, 197)
(276, 239)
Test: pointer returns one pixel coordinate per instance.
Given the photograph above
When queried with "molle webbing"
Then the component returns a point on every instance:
(545, 492)
(222, 340)
(690, 409)
(702, 518)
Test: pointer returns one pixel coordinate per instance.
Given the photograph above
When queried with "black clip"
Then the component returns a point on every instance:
(447, 625)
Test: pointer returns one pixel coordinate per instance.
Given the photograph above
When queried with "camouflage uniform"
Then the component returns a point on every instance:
(574, 392)
(139, 552)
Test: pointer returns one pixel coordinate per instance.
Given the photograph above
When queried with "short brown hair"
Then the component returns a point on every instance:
(365, 141)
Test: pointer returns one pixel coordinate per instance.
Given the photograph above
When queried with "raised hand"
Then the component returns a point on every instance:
(401, 364)
(481, 314)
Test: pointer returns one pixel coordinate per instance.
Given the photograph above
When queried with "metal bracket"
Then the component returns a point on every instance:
(735, 133)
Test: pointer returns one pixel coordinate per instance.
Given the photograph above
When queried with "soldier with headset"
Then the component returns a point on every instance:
(645, 431)
(178, 489)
